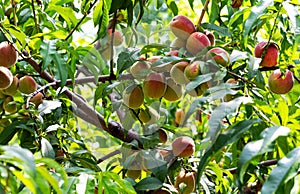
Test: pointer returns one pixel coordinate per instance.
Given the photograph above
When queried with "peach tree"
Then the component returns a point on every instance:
(144, 96)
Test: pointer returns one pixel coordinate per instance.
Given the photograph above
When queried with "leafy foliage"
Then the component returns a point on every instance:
(83, 138)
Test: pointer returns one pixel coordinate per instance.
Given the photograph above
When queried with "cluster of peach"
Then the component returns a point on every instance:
(11, 84)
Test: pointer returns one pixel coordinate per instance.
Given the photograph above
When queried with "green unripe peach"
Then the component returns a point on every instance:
(148, 116)
(2, 95)
(8, 55)
(154, 85)
(13, 88)
(177, 73)
(188, 179)
(27, 85)
(183, 146)
(173, 91)
(9, 105)
(279, 84)
(6, 78)
(140, 69)
(192, 70)
(133, 96)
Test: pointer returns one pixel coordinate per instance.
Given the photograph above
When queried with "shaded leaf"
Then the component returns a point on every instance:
(149, 183)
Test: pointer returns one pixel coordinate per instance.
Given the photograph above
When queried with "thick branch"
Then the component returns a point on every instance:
(86, 112)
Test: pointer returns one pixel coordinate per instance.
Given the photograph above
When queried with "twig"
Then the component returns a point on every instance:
(203, 12)
(271, 34)
(241, 78)
(264, 163)
(108, 156)
(81, 20)
(34, 16)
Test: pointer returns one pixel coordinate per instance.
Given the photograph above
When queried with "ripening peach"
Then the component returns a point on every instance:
(8, 55)
(178, 43)
(6, 78)
(188, 179)
(192, 70)
(182, 27)
(13, 88)
(219, 55)
(154, 85)
(37, 99)
(183, 146)
(27, 85)
(197, 42)
(179, 116)
(173, 91)
(133, 96)
(280, 83)
(271, 54)
(140, 69)
(177, 72)
(118, 37)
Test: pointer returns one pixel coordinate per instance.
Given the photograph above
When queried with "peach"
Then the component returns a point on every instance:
(271, 54)
(163, 137)
(118, 37)
(219, 55)
(37, 99)
(140, 69)
(27, 84)
(199, 90)
(178, 43)
(9, 105)
(183, 146)
(197, 42)
(173, 91)
(192, 70)
(133, 96)
(148, 116)
(154, 85)
(13, 88)
(177, 72)
(236, 3)
(179, 116)
(8, 55)
(6, 78)
(187, 178)
(280, 85)
(182, 27)
(210, 36)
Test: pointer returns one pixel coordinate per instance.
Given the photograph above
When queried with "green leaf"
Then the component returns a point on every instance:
(62, 68)
(266, 144)
(220, 112)
(9, 131)
(97, 13)
(22, 158)
(222, 31)
(286, 169)
(66, 12)
(48, 49)
(173, 7)
(149, 183)
(238, 55)
(126, 59)
(47, 149)
(283, 110)
(19, 34)
(151, 48)
(256, 13)
(48, 106)
(197, 81)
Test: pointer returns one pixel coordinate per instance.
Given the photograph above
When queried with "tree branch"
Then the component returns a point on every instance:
(84, 111)
(81, 20)
(202, 13)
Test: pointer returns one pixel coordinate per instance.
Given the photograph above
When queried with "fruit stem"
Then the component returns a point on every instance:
(202, 13)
